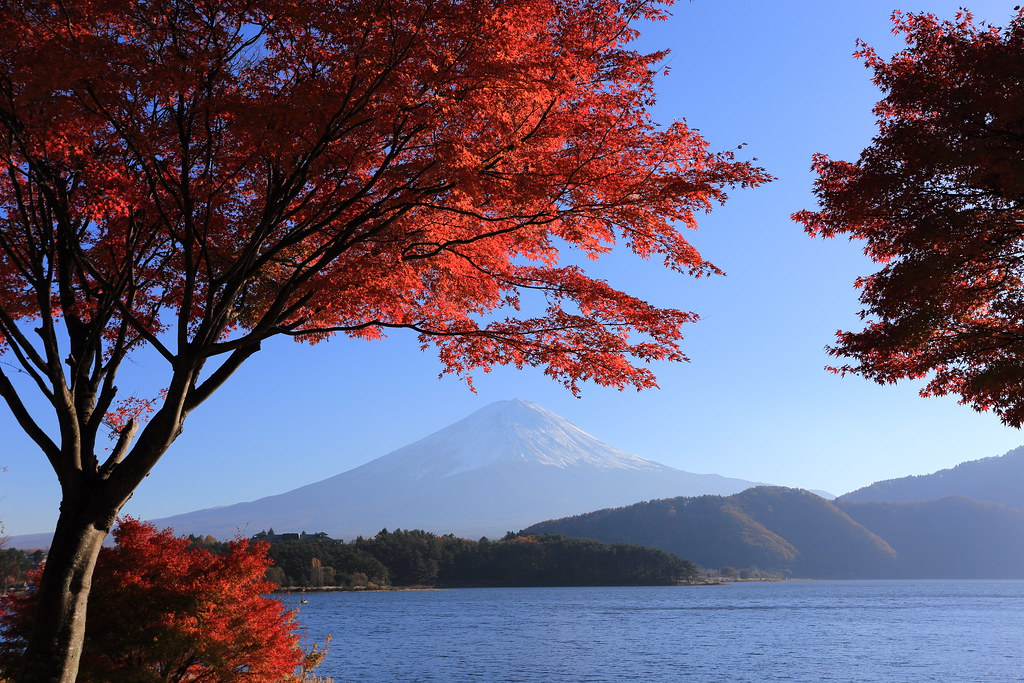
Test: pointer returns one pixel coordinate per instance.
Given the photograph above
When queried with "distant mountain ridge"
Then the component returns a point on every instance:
(949, 538)
(998, 479)
(771, 528)
(503, 467)
(799, 533)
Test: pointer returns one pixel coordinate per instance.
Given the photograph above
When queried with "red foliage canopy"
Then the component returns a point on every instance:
(201, 175)
(196, 176)
(937, 198)
(164, 611)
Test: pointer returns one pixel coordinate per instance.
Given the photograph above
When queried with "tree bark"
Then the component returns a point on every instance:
(55, 646)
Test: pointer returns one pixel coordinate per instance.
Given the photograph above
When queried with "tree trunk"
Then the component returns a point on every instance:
(55, 646)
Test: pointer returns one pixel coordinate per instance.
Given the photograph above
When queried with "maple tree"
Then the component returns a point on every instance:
(193, 178)
(176, 614)
(937, 200)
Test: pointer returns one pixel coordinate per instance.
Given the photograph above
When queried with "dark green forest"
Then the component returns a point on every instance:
(419, 558)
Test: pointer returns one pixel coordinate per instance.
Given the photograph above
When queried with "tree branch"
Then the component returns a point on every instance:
(27, 423)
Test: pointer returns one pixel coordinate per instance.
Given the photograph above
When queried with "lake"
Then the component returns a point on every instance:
(785, 631)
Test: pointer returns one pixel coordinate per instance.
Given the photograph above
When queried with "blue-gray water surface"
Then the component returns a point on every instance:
(788, 631)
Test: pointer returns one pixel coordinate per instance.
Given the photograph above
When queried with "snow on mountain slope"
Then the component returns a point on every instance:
(505, 431)
(506, 466)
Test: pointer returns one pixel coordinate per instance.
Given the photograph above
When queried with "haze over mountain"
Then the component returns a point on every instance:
(799, 533)
(507, 465)
(998, 479)
(949, 538)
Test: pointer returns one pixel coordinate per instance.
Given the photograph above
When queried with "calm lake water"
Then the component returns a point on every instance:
(793, 631)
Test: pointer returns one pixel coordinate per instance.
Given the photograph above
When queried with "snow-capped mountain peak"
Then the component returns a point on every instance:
(506, 466)
(505, 431)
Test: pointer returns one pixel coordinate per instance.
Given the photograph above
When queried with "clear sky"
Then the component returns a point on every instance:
(754, 402)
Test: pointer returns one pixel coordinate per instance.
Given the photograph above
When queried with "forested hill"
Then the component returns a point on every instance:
(804, 535)
(420, 558)
(998, 480)
(770, 528)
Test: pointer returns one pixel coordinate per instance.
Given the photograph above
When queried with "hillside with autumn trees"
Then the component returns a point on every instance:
(797, 533)
(186, 181)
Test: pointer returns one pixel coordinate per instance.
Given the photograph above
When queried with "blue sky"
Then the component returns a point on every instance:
(753, 403)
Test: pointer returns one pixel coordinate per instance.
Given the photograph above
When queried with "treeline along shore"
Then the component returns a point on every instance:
(405, 558)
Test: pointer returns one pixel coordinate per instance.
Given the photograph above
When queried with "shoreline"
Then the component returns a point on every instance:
(352, 589)
(382, 589)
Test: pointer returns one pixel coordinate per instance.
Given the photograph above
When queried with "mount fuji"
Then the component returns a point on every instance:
(502, 468)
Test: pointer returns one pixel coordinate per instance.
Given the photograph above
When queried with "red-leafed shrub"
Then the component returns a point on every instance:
(164, 611)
